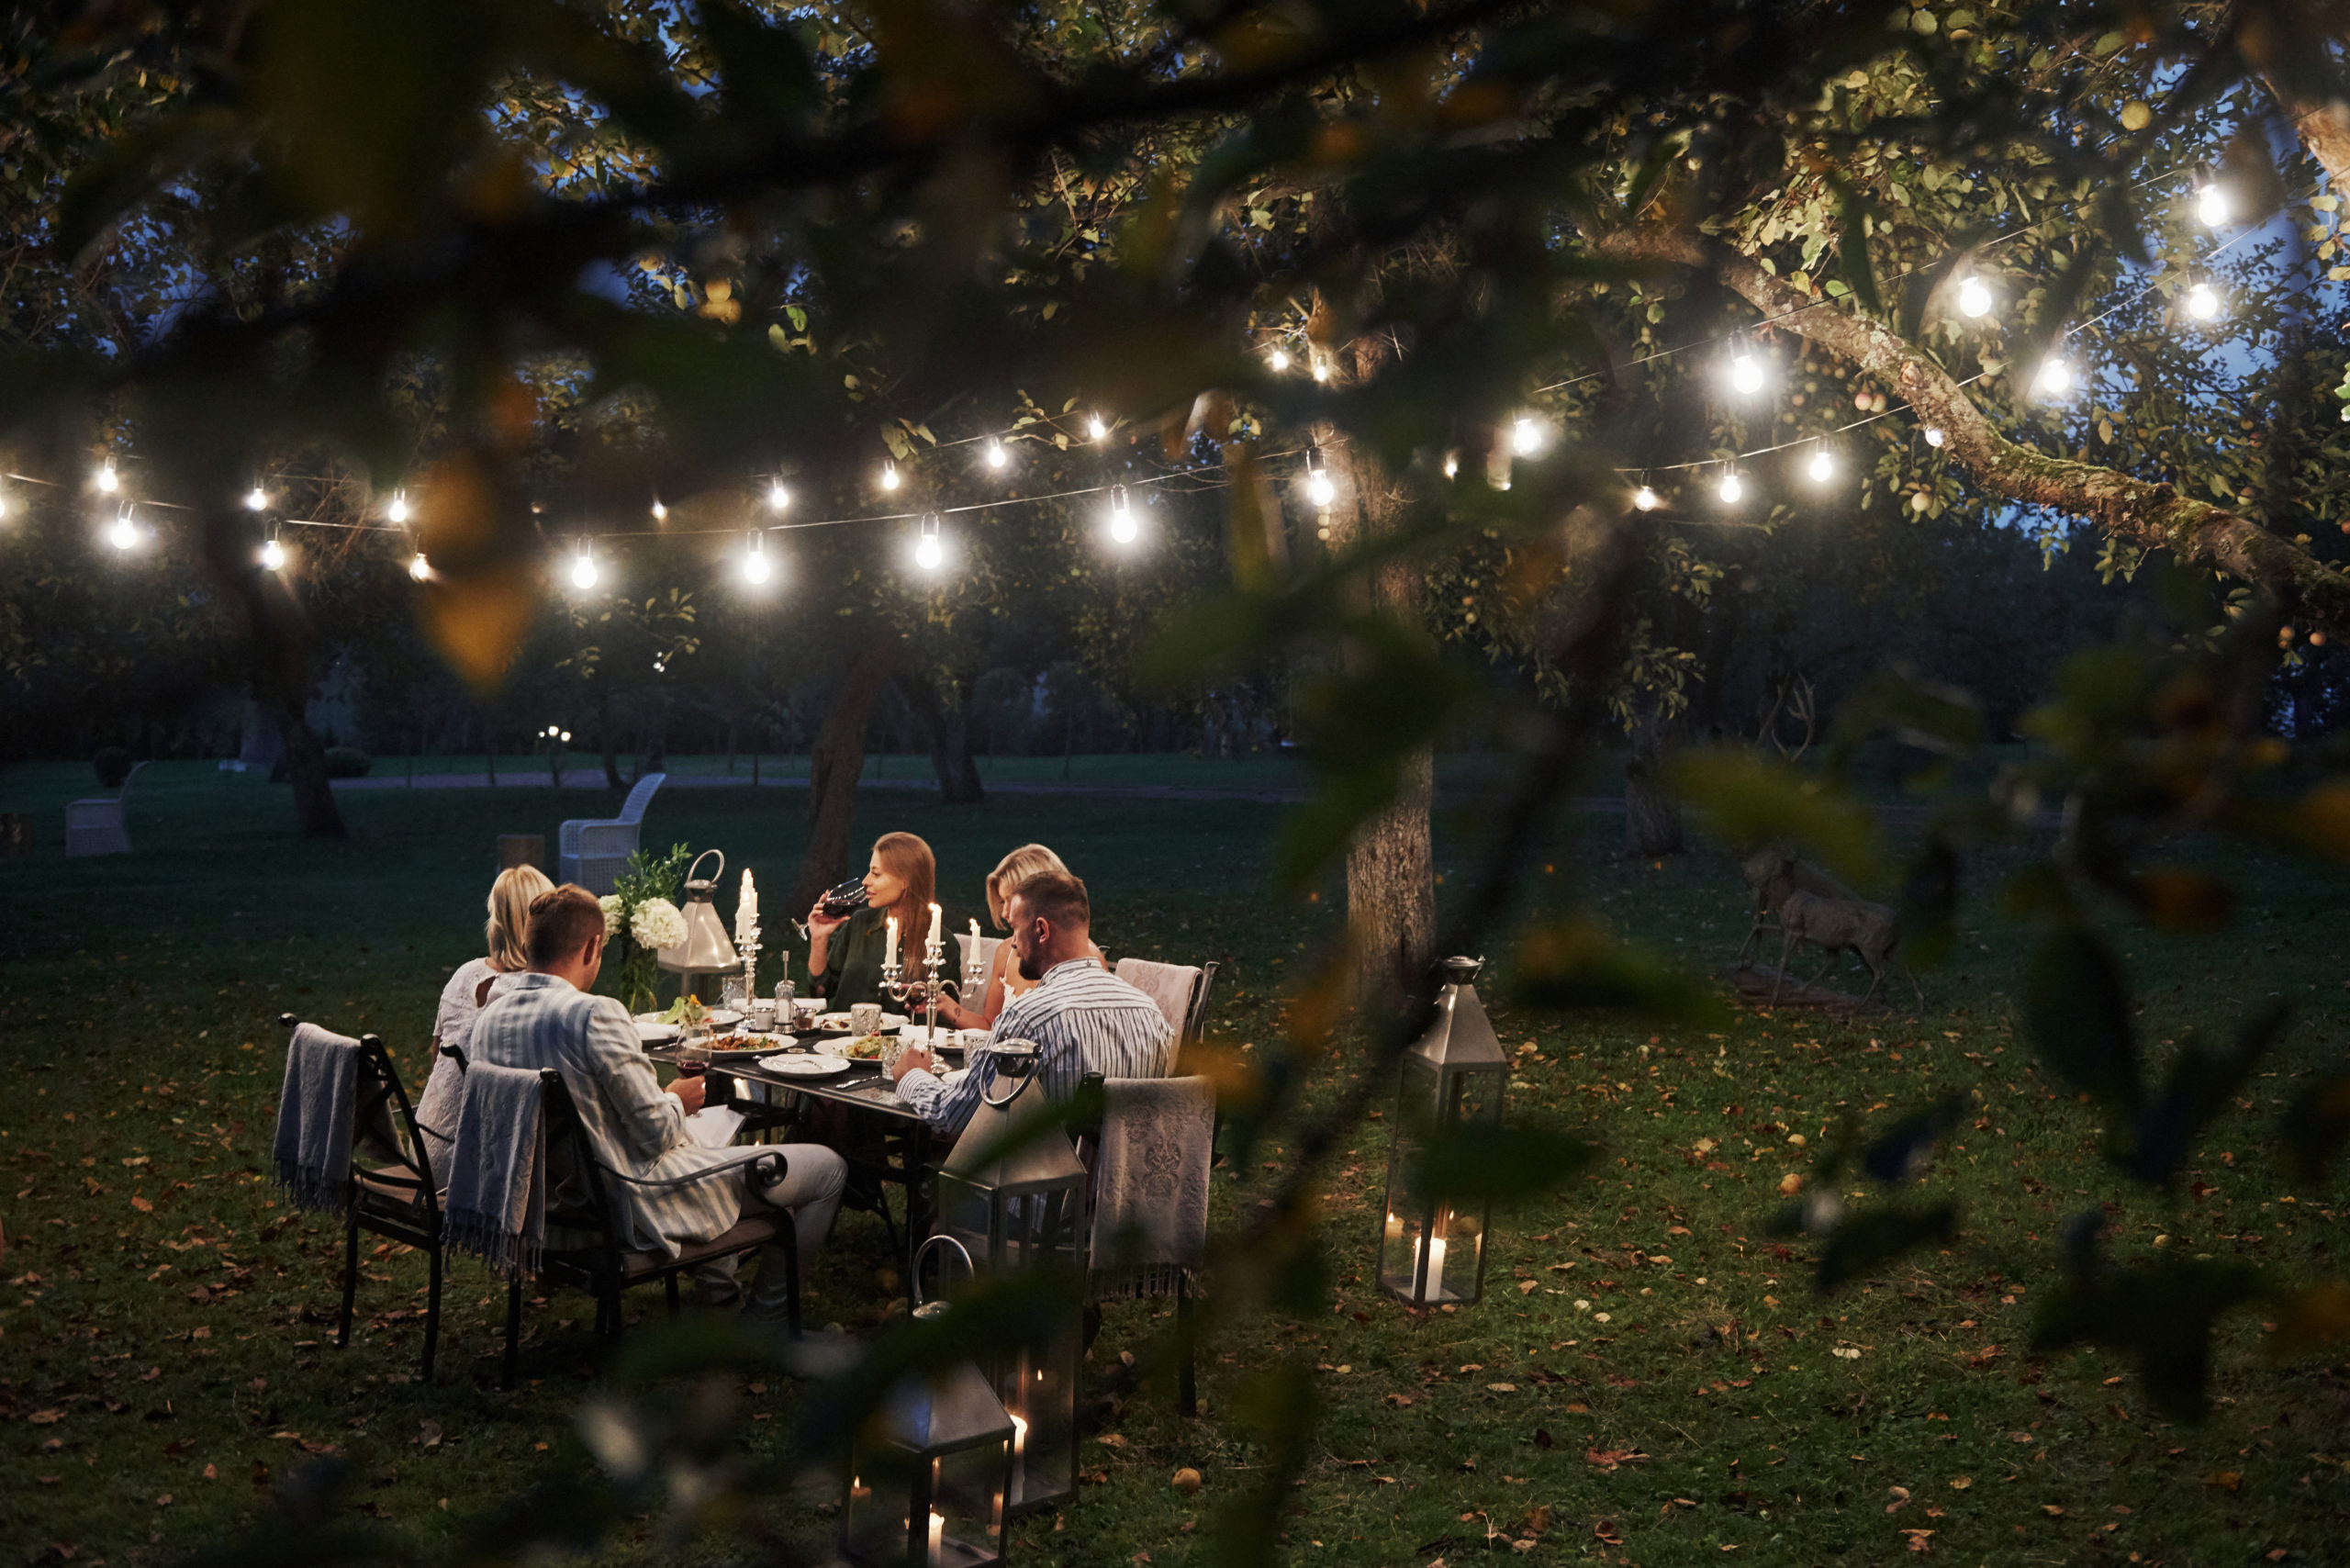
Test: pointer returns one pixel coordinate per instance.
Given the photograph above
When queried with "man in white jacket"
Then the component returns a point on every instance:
(544, 1017)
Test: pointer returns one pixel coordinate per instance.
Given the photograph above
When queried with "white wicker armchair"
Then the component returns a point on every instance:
(594, 851)
(96, 826)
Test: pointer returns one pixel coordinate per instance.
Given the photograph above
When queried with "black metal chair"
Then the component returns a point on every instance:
(394, 1192)
(579, 1200)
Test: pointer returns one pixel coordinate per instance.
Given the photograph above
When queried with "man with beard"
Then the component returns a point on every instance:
(1082, 1018)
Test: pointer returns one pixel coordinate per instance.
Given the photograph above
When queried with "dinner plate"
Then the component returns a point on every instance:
(722, 1017)
(915, 1036)
(656, 1033)
(805, 1066)
(833, 1022)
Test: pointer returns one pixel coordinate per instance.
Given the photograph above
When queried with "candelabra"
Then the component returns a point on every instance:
(926, 990)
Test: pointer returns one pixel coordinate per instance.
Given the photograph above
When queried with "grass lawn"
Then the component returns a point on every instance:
(1650, 1378)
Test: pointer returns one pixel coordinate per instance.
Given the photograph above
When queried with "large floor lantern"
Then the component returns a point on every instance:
(1013, 1192)
(1431, 1251)
(927, 1482)
(706, 949)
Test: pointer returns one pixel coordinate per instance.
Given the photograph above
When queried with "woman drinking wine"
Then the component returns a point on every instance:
(846, 951)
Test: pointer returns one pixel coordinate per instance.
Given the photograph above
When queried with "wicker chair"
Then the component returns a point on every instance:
(593, 851)
(96, 826)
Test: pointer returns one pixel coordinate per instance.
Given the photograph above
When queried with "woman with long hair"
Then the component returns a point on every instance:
(463, 998)
(1003, 981)
(844, 952)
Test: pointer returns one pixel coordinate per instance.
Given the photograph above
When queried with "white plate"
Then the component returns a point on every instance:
(914, 1037)
(804, 1067)
(722, 1017)
(833, 1023)
(655, 1034)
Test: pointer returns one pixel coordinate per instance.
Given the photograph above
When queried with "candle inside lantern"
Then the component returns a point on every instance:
(1435, 1247)
(937, 1539)
(1019, 1457)
(889, 945)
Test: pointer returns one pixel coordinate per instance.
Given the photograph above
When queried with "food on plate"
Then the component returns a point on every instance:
(685, 1009)
(866, 1050)
(742, 1043)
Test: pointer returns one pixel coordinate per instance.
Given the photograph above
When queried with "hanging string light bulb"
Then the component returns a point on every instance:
(1122, 526)
(2056, 376)
(1733, 488)
(778, 497)
(272, 553)
(1747, 374)
(418, 567)
(1526, 436)
(1822, 467)
(1974, 297)
(889, 475)
(997, 456)
(1933, 435)
(660, 512)
(1318, 487)
(256, 498)
(397, 510)
(583, 567)
(1451, 465)
(930, 548)
(123, 534)
(2212, 207)
(1278, 360)
(1646, 498)
(754, 559)
(1321, 368)
(2202, 301)
(106, 478)
(1096, 428)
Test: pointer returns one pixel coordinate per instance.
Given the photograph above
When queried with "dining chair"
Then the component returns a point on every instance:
(1181, 992)
(1153, 1139)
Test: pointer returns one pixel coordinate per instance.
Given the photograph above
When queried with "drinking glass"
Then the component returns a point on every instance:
(734, 995)
(693, 1052)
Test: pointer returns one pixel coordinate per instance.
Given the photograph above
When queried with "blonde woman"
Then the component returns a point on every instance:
(463, 998)
(1004, 981)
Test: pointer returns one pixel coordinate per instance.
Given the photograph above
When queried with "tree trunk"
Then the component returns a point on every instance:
(306, 770)
(282, 666)
(1652, 814)
(949, 725)
(837, 760)
(604, 736)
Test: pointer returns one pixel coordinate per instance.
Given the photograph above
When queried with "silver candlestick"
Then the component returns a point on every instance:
(749, 947)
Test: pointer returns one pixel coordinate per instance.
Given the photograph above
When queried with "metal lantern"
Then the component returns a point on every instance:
(1011, 1193)
(927, 1482)
(1431, 1252)
(708, 949)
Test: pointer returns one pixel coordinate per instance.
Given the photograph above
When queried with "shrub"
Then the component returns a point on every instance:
(348, 762)
(113, 763)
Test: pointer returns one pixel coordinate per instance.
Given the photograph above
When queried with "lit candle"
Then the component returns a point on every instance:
(890, 947)
(1436, 1267)
(746, 910)
(937, 1539)
(937, 934)
(1019, 1457)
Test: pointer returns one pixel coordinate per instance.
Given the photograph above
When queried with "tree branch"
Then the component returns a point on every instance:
(2154, 516)
(2324, 130)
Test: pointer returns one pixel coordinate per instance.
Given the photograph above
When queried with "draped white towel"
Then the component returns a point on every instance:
(496, 1207)
(1150, 1183)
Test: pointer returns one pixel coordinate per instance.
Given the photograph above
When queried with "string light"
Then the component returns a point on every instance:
(1746, 372)
(583, 567)
(2213, 206)
(418, 567)
(256, 499)
(889, 475)
(1933, 435)
(778, 497)
(1822, 467)
(1526, 436)
(2056, 377)
(397, 510)
(755, 560)
(1278, 360)
(1733, 488)
(1123, 527)
(1646, 498)
(272, 553)
(997, 456)
(1318, 487)
(930, 549)
(660, 512)
(106, 479)
(124, 533)
(1321, 368)
(2202, 301)
(1095, 428)
(1452, 464)
(1974, 297)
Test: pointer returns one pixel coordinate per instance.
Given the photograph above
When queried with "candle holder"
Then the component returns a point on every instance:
(924, 990)
(749, 946)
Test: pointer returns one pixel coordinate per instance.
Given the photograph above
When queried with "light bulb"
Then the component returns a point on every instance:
(397, 510)
(106, 479)
(418, 568)
(1278, 359)
(1319, 489)
(2056, 377)
(2211, 206)
(2202, 302)
(123, 535)
(1746, 374)
(273, 557)
(256, 499)
(1646, 498)
(778, 496)
(889, 475)
(1095, 428)
(1452, 464)
(1321, 370)
(997, 456)
(755, 563)
(583, 569)
(1733, 488)
(565, 737)
(930, 550)
(1822, 469)
(1933, 435)
(1974, 297)
(660, 512)
(1526, 438)
(1123, 527)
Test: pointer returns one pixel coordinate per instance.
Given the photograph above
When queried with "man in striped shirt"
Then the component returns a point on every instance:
(1082, 1018)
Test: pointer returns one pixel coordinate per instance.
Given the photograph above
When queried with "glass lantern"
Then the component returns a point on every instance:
(708, 949)
(1012, 1193)
(927, 1487)
(1431, 1251)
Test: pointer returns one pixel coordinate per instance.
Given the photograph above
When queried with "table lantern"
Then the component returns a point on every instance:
(1013, 1192)
(1431, 1251)
(927, 1482)
(708, 949)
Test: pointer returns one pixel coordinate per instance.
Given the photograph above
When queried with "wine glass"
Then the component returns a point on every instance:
(693, 1051)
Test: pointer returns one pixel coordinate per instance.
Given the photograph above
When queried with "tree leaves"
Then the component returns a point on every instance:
(2161, 1313)
(2078, 1008)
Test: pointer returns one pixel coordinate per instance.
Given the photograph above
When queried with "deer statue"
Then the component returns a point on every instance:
(1841, 926)
(1772, 874)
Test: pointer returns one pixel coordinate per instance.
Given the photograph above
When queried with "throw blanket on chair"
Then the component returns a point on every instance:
(1150, 1184)
(497, 1203)
(1170, 986)
(315, 1111)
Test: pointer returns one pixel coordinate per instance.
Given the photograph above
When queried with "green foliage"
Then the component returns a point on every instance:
(348, 762)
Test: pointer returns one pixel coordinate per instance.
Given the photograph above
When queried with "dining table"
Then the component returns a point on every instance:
(888, 1140)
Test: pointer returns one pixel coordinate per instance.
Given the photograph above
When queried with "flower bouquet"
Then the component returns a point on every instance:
(640, 917)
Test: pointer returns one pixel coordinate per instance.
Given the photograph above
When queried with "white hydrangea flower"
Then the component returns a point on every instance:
(656, 924)
(611, 904)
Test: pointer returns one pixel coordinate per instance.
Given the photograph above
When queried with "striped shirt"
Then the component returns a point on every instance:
(636, 1126)
(1081, 1019)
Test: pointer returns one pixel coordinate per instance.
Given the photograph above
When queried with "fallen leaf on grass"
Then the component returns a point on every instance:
(43, 1417)
(1921, 1540)
(2224, 1479)
(1609, 1458)
(1502, 1388)
(1901, 1499)
(1609, 1531)
(2053, 1510)
(143, 1205)
(1962, 1482)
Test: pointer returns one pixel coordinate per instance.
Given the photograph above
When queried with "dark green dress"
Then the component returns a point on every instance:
(853, 966)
